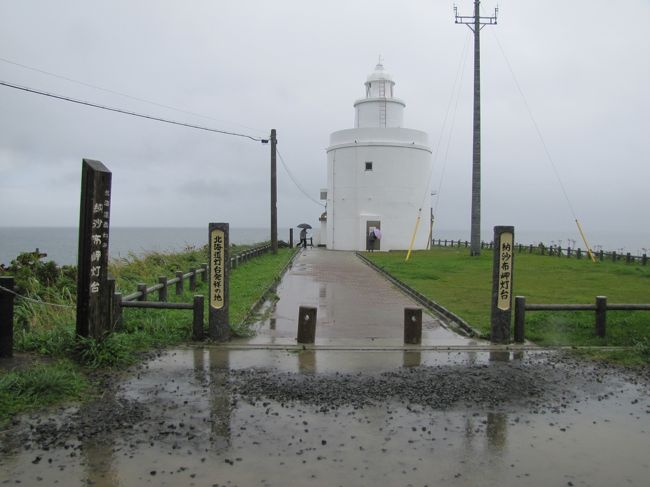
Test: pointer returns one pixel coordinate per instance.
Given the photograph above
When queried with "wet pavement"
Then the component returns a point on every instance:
(346, 412)
(355, 305)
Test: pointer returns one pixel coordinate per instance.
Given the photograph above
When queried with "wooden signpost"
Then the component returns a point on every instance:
(502, 279)
(219, 255)
(93, 294)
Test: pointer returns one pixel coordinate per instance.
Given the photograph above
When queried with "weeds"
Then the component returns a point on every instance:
(39, 386)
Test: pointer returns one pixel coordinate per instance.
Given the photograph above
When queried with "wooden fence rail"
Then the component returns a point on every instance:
(554, 251)
(600, 307)
(137, 299)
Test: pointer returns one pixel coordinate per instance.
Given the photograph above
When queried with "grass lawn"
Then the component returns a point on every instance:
(463, 284)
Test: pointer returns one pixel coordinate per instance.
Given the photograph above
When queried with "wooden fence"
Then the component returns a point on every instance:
(137, 299)
(600, 307)
(554, 251)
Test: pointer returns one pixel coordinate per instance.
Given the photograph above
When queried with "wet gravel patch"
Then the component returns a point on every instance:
(551, 383)
(70, 428)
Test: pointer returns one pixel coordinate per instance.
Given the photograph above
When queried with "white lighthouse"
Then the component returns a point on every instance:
(377, 175)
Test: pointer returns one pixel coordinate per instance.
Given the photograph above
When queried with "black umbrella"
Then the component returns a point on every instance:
(304, 225)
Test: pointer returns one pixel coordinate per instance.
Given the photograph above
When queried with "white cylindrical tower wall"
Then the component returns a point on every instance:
(378, 172)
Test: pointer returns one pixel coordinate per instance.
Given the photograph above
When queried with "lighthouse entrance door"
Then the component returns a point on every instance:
(373, 238)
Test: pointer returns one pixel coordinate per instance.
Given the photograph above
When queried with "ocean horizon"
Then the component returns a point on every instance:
(60, 243)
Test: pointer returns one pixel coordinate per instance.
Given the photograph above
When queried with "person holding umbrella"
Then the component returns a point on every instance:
(303, 234)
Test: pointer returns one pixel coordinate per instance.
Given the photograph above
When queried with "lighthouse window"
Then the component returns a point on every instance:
(368, 166)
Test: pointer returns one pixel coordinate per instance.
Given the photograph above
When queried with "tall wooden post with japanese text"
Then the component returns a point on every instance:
(219, 266)
(93, 296)
(502, 279)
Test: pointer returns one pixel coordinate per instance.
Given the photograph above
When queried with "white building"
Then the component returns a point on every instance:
(377, 175)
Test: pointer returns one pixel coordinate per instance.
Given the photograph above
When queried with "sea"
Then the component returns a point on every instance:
(60, 243)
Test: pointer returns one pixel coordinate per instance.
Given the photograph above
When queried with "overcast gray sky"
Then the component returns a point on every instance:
(298, 66)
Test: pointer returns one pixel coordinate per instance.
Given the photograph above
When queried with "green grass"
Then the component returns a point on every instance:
(50, 331)
(463, 284)
(40, 386)
(249, 281)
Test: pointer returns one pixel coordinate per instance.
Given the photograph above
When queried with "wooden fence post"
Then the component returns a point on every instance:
(579, 254)
(197, 321)
(601, 255)
(520, 318)
(192, 279)
(142, 288)
(204, 276)
(179, 283)
(413, 326)
(644, 259)
(614, 257)
(601, 316)
(306, 324)
(628, 258)
(6, 317)
(162, 292)
(118, 320)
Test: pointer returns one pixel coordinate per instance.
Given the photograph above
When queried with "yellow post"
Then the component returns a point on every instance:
(417, 225)
(584, 239)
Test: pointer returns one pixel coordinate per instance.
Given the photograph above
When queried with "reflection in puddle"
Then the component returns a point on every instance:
(198, 432)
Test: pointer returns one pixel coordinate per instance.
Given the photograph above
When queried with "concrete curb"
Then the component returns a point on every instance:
(429, 304)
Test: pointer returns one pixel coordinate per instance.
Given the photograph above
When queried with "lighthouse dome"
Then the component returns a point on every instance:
(379, 74)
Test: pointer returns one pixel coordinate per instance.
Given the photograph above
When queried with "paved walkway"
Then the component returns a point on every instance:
(356, 306)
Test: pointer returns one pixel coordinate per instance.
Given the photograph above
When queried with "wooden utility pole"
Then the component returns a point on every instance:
(274, 194)
(476, 23)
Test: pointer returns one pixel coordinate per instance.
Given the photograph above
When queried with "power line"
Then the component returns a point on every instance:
(296, 182)
(114, 92)
(537, 129)
(127, 112)
(456, 93)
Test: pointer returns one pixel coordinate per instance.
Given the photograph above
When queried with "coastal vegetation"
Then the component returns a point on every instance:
(463, 284)
(45, 333)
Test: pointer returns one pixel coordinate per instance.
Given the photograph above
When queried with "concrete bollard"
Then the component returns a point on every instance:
(412, 326)
(306, 324)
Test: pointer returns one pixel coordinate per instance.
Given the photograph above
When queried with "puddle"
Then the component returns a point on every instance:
(594, 429)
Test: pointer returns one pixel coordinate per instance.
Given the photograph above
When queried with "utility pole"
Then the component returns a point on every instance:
(476, 23)
(274, 194)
